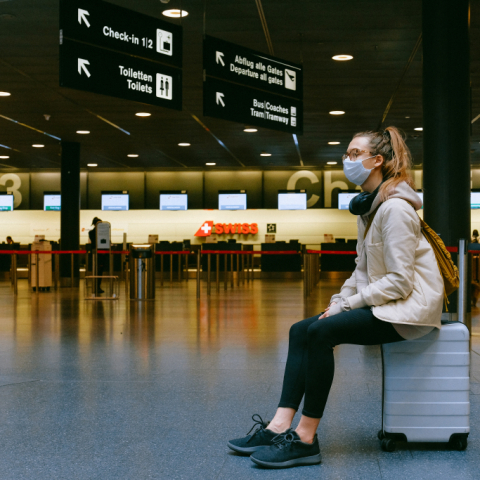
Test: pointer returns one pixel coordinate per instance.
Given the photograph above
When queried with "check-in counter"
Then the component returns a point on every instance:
(336, 262)
(281, 263)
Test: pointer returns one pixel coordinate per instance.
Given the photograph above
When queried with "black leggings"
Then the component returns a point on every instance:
(310, 363)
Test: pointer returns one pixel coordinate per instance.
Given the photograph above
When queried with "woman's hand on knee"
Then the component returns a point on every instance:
(325, 313)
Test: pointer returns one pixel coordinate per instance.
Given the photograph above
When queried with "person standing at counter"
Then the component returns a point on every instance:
(92, 235)
(395, 293)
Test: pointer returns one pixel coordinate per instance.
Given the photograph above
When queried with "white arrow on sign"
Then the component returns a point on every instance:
(219, 57)
(220, 99)
(81, 16)
(81, 66)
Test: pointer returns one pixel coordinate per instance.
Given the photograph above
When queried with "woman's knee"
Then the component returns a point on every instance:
(320, 331)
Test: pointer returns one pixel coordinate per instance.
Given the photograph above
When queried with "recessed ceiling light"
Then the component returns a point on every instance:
(5, 94)
(83, 132)
(419, 129)
(334, 143)
(342, 58)
(407, 117)
(265, 154)
(92, 165)
(332, 163)
(143, 114)
(210, 164)
(183, 144)
(132, 155)
(337, 112)
(38, 145)
(174, 13)
(250, 130)
(4, 156)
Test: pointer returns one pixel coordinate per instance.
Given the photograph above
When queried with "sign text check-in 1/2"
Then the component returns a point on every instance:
(234, 63)
(108, 26)
(92, 69)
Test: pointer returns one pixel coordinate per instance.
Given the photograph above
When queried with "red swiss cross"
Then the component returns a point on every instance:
(205, 230)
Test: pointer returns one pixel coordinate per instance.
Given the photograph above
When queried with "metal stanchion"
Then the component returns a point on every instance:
(71, 269)
(225, 278)
(198, 274)
(37, 274)
(56, 271)
(179, 265)
(253, 266)
(14, 272)
(238, 269)
(231, 270)
(127, 276)
(305, 276)
(217, 265)
(243, 269)
(110, 271)
(209, 258)
(186, 265)
(171, 269)
(161, 270)
(462, 289)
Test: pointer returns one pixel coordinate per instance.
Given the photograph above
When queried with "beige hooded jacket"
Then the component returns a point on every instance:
(396, 273)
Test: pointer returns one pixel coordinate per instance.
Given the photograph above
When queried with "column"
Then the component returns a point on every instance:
(446, 120)
(70, 213)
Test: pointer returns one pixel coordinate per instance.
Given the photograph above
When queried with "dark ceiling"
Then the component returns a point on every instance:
(380, 35)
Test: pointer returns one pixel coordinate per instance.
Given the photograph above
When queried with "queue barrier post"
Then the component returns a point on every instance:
(14, 274)
(209, 258)
(217, 258)
(238, 269)
(198, 274)
(171, 269)
(161, 270)
(37, 275)
(179, 268)
(72, 261)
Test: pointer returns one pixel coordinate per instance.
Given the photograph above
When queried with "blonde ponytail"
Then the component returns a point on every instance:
(397, 163)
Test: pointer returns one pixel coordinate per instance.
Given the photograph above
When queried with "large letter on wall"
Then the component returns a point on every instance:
(14, 188)
(292, 182)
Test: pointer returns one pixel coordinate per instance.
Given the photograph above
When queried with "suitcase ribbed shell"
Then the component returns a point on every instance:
(427, 385)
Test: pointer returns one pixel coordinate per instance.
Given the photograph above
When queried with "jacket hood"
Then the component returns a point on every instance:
(403, 191)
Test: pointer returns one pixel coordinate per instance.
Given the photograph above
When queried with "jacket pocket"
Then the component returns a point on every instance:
(375, 261)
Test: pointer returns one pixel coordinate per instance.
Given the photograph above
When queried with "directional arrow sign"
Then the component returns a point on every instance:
(81, 16)
(220, 99)
(219, 57)
(251, 106)
(81, 66)
(234, 63)
(119, 75)
(122, 30)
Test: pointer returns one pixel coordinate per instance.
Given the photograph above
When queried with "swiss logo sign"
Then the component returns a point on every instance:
(209, 227)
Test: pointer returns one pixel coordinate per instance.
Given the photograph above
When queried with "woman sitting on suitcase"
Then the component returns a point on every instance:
(395, 293)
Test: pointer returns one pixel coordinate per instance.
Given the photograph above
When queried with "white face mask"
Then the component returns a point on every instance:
(355, 171)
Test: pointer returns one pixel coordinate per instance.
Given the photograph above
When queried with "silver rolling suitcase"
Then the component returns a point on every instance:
(426, 387)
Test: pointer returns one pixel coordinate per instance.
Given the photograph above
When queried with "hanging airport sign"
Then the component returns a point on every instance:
(250, 106)
(108, 26)
(93, 69)
(234, 63)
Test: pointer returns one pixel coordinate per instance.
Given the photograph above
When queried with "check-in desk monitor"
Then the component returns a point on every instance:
(52, 201)
(475, 199)
(344, 199)
(232, 200)
(115, 200)
(292, 200)
(6, 202)
(173, 200)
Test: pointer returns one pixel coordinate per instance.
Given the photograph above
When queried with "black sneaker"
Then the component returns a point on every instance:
(288, 451)
(260, 438)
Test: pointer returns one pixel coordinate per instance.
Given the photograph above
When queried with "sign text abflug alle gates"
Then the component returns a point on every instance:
(209, 227)
(114, 51)
(251, 87)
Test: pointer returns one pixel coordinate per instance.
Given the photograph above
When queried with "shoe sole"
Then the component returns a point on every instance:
(245, 451)
(296, 462)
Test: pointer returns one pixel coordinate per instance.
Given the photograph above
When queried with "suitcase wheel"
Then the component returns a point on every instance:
(380, 435)
(388, 445)
(459, 443)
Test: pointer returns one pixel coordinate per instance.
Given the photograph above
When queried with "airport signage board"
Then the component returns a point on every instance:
(108, 26)
(209, 227)
(96, 70)
(250, 106)
(234, 63)
(249, 87)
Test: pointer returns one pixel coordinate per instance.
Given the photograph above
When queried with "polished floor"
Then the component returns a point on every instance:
(130, 390)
